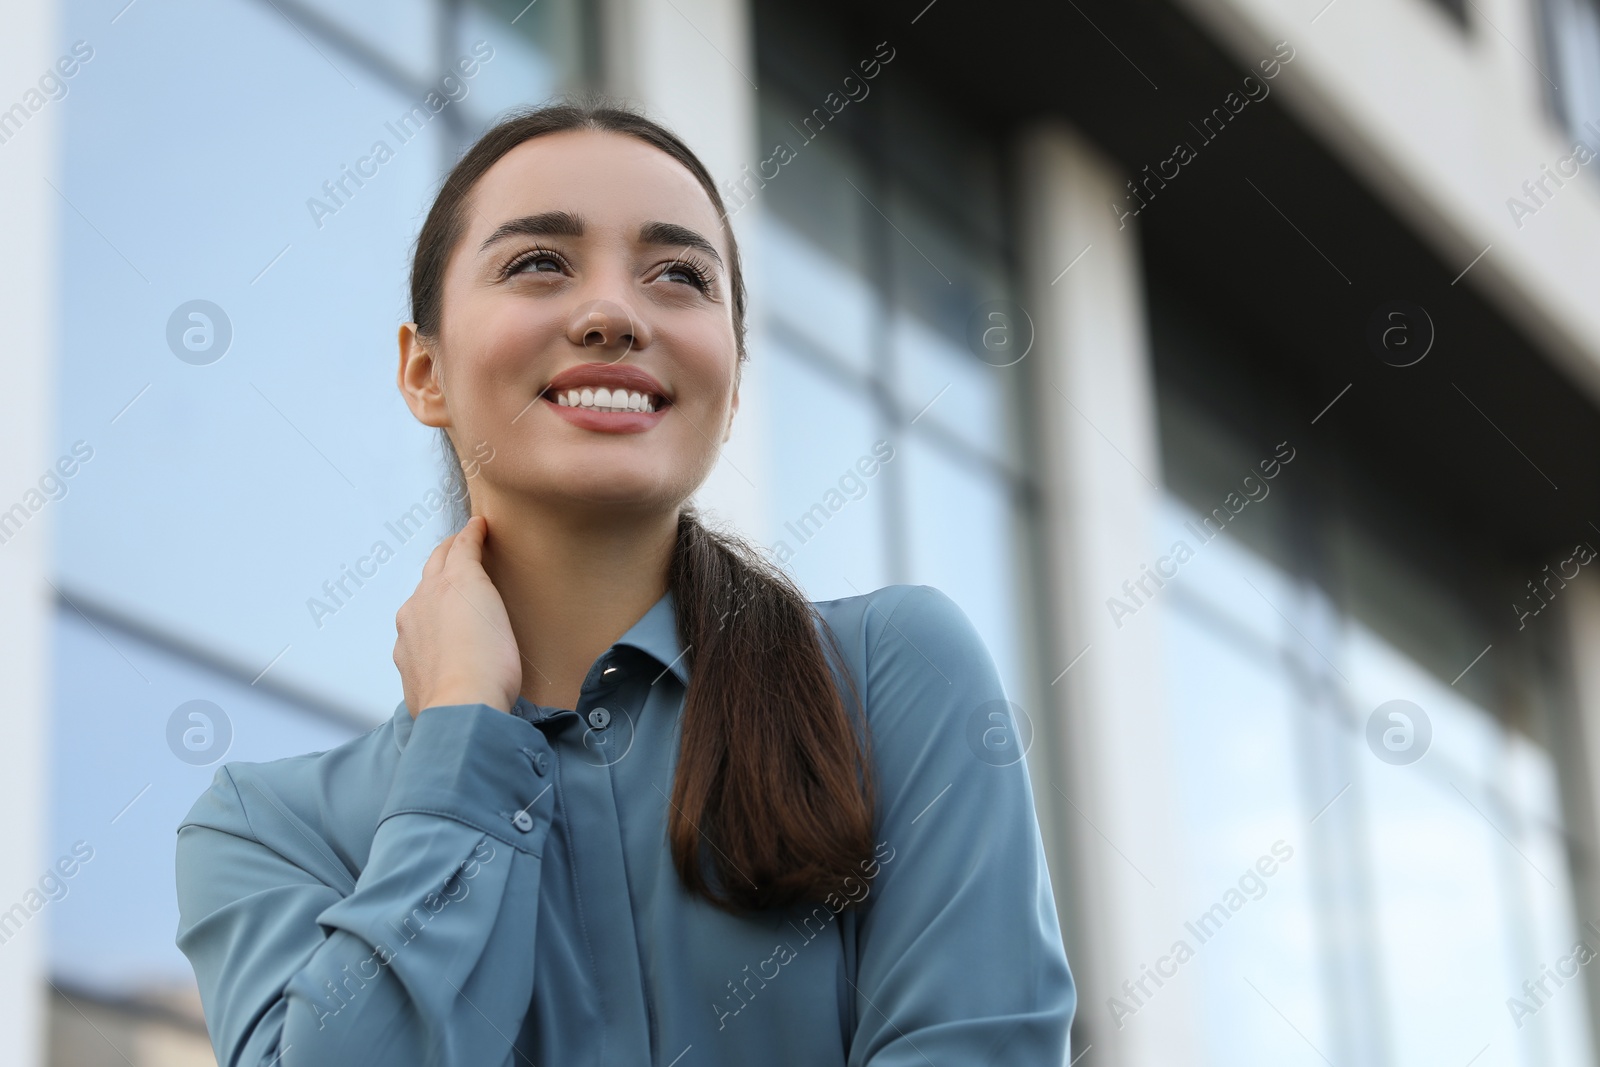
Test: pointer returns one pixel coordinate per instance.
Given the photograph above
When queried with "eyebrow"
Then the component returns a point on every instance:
(566, 224)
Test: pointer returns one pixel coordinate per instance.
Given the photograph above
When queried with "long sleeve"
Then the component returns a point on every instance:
(960, 958)
(425, 958)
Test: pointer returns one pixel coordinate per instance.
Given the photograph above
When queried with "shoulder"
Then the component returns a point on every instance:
(937, 712)
(319, 806)
(896, 621)
(906, 643)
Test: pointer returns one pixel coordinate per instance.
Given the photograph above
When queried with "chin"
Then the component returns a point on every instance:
(621, 494)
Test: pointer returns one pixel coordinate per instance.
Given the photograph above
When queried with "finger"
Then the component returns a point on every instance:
(468, 546)
(435, 562)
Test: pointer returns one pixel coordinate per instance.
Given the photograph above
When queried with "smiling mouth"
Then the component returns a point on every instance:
(608, 401)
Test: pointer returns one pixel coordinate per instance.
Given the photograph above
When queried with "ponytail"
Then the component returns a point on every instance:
(772, 775)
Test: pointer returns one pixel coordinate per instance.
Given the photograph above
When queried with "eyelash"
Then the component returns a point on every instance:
(701, 273)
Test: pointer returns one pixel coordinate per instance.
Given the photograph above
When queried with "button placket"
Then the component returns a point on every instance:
(606, 684)
(596, 841)
(601, 702)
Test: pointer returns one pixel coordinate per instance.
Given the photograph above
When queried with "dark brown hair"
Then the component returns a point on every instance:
(774, 787)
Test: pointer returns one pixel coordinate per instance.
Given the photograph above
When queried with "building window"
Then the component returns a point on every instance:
(881, 240)
(1572, 63)
(1420, 895)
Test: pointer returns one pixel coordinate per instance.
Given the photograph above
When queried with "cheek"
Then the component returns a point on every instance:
(511, 336)
(497, 359)
(707, 363)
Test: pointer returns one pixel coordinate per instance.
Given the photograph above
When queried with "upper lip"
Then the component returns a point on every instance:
(608, 375)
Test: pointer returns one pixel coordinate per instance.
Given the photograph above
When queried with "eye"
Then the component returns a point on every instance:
(535, 255)
(697, 274)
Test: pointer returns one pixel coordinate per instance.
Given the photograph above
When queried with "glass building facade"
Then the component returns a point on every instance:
(883, 235)
(1420, 893)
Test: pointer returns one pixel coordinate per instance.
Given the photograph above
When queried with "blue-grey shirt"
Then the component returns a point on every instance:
(479, 888)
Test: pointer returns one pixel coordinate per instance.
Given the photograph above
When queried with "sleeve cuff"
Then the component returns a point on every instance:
(475, 763)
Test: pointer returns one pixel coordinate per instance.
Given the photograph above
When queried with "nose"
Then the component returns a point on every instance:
(607, 328)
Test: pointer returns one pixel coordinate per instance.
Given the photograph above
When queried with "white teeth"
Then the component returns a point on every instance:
(603, 399)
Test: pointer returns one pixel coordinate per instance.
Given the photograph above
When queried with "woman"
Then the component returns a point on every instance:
(624, 814)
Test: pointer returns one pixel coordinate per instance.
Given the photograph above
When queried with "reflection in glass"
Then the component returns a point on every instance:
(829, 477)
(119, 787)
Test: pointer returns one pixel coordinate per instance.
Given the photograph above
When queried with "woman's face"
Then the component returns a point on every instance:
(581, 258)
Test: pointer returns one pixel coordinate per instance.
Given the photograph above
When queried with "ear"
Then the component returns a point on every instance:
(734, 410)
(418, 378)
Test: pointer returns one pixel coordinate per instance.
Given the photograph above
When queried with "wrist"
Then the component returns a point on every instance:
(454, 697)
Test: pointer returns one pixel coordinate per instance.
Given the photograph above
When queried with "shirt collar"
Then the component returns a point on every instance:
(655, 634)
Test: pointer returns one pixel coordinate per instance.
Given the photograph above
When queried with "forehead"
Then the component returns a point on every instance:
(613, 181)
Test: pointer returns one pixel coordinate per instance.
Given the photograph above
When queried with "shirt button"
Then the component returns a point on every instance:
(522, 821)
(599, 718)
(541, 764)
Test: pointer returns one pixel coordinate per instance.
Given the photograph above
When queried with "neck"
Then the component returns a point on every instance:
(572, 584)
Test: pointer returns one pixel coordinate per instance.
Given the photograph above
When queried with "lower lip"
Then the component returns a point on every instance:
(609, 421)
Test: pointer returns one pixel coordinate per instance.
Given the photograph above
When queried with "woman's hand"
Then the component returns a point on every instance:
(455, 644)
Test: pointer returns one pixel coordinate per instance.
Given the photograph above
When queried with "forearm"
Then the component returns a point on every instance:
(419, 968)
(425, 958)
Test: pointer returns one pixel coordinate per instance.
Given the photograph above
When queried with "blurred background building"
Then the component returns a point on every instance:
(1307, 287)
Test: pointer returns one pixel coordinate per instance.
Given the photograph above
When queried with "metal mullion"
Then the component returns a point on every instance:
(815, 354)
(880, 276)
(446, 40)
(375, 62)
(1354, 972)
(822, 359)
(101, 615)
(864, 145)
